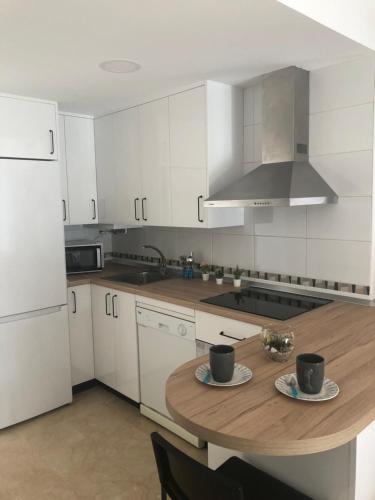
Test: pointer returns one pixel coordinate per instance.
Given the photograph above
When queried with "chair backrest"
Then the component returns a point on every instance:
(183, 478)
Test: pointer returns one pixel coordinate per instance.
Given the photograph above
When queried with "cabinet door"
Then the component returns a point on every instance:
(104, 336)
(105, 168)
(28, 129)
(188, 128)
(154, 161)
(188, 186)
(117, 164)
(127, 169)
(80, 332)
(127, 372)
(80, 158)
(63, 171)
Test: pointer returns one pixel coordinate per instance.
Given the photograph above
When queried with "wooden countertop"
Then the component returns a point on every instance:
(256, 418)
(187, 293)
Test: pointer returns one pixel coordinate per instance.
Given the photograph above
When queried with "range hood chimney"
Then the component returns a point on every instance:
(285, 177)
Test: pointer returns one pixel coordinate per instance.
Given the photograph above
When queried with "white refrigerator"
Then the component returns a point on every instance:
(34, 337)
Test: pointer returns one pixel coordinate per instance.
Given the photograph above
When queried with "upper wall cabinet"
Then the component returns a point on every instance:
(79, 197)
(27, 128)
(156, 163)
(117, 165)
(206, 131)
(63, 170)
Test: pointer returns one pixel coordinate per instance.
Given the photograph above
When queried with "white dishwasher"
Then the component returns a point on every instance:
(166, 340)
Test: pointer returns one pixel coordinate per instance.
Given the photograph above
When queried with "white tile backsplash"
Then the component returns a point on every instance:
(230, 250)
(342, 130)
(342, 85)
(280, 221)
(345, 261)
(90, 233)
(194, 240)
(280, 255)
(348, 174)
(349, 219)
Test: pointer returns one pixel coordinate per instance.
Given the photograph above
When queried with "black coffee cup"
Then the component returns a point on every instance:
(310, 373)
(222, 362)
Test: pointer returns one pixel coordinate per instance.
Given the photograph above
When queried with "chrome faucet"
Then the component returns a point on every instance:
(163, 260)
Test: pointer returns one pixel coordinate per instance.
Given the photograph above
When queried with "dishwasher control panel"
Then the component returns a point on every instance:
(171, 325)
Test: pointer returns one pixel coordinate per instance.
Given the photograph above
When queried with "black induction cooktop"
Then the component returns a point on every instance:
(269, 303)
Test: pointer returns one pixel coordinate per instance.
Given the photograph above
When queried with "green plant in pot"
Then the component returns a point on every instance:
(237, 273)
(219, 275)
(205, 270)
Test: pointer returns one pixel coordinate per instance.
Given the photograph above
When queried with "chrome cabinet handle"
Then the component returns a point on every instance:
(199, 208)
(106, 304)
(74, 302)
(94, 208)
(64, 210)
(230, 337)
(136, 200)
(143, 209)
(52, 143)
(113, 306)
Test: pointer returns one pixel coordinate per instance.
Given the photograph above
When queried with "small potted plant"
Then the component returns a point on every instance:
(219, 275)
(237, 273)
(205, 270)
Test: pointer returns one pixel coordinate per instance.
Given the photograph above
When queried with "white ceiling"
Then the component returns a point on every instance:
(352, 18)
(51, 48)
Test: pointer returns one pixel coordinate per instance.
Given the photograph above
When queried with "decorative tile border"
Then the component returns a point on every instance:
(334, 286)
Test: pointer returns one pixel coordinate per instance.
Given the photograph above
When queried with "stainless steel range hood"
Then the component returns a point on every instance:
(285, 177)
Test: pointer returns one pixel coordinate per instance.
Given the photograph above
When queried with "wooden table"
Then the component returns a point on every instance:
(255, 417)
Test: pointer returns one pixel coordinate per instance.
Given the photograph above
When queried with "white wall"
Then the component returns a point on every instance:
(89, 233)
(325, 243)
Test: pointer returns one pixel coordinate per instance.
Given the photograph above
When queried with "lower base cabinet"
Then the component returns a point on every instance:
(80, 334)
(115, 340)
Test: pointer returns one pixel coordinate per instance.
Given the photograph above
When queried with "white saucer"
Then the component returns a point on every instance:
(241, 375)
(329, 390)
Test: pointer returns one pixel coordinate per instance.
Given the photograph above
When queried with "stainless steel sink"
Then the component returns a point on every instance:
(138, 278)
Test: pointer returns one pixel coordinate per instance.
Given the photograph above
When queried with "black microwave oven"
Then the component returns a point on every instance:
(83, 256)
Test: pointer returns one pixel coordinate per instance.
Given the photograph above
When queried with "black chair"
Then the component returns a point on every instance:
(183, 478)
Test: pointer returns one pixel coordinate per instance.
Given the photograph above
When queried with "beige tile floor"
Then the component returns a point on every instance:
(97, 448)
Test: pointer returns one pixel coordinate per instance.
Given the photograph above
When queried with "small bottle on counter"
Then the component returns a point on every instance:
(190, 269)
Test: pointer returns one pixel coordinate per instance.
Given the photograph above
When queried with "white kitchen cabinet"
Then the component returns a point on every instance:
(28, 128)
(81, 171)
(80, 333)
(115, 340)
(206, 143)
(155, 163)
(118, 171)
(158, 162)
(214, 329)
(104, 336)
(63, 170)
(188, 128)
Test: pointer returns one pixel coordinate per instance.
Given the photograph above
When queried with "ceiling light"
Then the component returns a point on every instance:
(119, 66)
